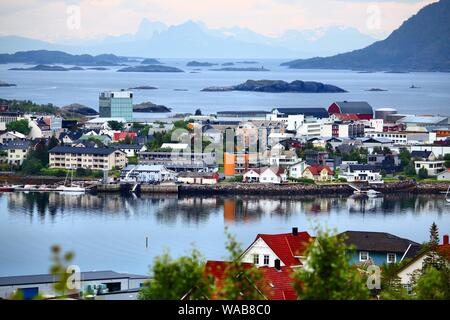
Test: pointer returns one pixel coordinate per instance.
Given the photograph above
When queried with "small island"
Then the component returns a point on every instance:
(376, 90)
(78, 110)
(228, 64)
(150, 61)
(143, 88)
(149, 107)
(150, 68)
(44, 67)
(200, 64)
(278, 86)
(6, 84)
(247, 62)
(98, 68)
(240, 69)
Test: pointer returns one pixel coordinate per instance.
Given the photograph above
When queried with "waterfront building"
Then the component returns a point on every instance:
(17, 151)
(444, 175)
(318, 172)
(379, 247)
(104, 285)
(88, 158)
(116, 104)
(361, 173)
(433, 167)
(296, 170)
(361, 109)
(147, 173)
(198, 177)
(274, 175)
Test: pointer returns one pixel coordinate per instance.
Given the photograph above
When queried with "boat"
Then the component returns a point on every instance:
(71, 188)
(373, 193)
(7, 188)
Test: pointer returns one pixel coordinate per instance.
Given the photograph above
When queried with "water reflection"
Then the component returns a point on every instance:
(168, 209)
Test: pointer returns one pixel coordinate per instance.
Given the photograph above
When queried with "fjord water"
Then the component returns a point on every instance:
(63, 88)
(108, 231)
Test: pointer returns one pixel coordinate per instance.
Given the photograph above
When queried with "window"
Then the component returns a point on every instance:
(363, 256)
(266, 260)
(391, 258)
(256, 259)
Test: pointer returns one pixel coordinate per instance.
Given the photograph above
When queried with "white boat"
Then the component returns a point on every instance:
(373, 194)
(71, 188)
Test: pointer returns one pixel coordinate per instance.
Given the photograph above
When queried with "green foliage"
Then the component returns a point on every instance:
(27, 106)
(53, 172)
(240, 281)
(133, 160)
(433, 284)
(19, 126)
(58, 269)
(237, 178)
(405, 156)
(115, 125)
(391, 286)
(173, 279)
(302, 180)
(31, 167)
(357, 154)
(409, 169)
(447, 160)
(422, 174)
(198, 112)
(327, 274)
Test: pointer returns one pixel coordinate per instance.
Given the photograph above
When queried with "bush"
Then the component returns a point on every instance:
(303, 180)
(422, 174)
(53, 172)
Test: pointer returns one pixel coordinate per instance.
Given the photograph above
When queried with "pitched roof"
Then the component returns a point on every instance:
(360, 167)
(316, 169)
(354, 107)
(347, 116)
(420, 154)
(380, 241)
(96, 151)
(287, 246)
(274, 285)
(307, 112)
(17, 144)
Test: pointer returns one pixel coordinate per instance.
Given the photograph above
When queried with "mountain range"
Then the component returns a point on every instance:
(194, 40)
(421, 43)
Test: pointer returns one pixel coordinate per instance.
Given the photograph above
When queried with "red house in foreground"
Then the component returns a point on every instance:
(361, 109)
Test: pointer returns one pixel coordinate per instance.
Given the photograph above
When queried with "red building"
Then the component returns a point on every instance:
(119, 136)
(361, 109)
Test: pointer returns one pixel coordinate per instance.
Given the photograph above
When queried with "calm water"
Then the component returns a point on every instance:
(62, 88)
(109, 231)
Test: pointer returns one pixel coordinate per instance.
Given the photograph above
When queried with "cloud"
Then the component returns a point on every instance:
(51, 20)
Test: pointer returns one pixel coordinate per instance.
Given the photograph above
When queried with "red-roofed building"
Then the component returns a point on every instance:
(276, 282)
(318, 172)
(119, 136)
(289, 248)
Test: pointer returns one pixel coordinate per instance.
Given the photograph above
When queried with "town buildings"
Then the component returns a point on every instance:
(116, 104)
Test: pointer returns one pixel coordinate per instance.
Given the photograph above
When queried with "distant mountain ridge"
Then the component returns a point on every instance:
(194, 40)
(421, 43)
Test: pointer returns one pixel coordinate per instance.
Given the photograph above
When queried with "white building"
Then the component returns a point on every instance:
(296, 170)
(361, 173)
(433, 167)
(273, 175)
(11, 136)
(444, 176)
(147, 173)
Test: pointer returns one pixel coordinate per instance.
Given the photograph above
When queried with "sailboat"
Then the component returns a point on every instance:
(71, 188)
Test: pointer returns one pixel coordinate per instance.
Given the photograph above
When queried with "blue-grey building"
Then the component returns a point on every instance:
(379, 247)
(116, 104)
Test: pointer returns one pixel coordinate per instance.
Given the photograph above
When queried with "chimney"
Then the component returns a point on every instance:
(445, 242)
(295, 231)
(277, 265)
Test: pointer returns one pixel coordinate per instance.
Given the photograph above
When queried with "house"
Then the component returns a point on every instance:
(388, 162)
(103, 138)
(288, 248)
(70, 137)
(89, 158)
(198, 177)
(444, 176)
(315, 157)
(276, 283)
(370, 143)
(361, 173)
(318, 172)
(433, 167)
(423, 155)
(283, 158)
(252, 175)
(147, 173)
(296, 170)
(17, 151)
(407, 271)
(379, 247)
(131, 150)
(12, 136)
(101, 284)
(273, 175)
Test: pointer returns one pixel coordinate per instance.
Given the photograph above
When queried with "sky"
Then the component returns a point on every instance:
(55, 20)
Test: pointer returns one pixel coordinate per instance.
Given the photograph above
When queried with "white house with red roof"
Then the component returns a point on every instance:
(289, 248)
(266, 175)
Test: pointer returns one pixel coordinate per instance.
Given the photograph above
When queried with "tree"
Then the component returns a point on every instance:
(53, 142)
(115, 125)
(433, 284)
(31, 166)
(198, 112)
(433, 258)
(19, 126)
(409, 169)
(391, 286)
(173, 279)
(59, 269)
(405, 156)
(327, 274)
(422, 174)
(447, 160)
(241, 281)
